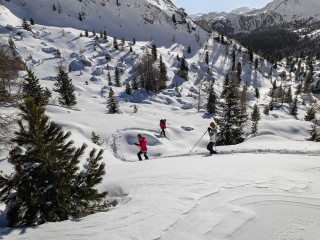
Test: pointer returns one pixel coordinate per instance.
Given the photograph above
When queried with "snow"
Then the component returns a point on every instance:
(268, 186)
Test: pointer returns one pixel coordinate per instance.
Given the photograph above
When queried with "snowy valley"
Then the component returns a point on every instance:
(266, 187)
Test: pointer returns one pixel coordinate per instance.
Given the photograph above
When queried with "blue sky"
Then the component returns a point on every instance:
(205, 6)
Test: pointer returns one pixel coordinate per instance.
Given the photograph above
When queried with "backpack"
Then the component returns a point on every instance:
(163, 120)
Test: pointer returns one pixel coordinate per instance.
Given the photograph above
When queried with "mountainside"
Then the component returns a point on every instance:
(271, 174)
(298, 18)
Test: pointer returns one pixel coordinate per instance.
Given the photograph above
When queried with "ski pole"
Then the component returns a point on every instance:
(198, 141)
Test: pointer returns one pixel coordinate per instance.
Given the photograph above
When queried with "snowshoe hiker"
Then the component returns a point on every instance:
(143, 147)
(213, 134)
(163, 127)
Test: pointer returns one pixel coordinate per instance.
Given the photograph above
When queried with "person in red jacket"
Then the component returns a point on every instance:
(163, 127)
(143, 147)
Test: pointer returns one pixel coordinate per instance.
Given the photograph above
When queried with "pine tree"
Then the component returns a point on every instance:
(154, 52)
(255, 117)
(239, 70)
(189, 50)
(109, 79)
(95, 138)
(230, 120)
(134, 83)
(183, 69)
(134, 41)
(112, 104)
(104, 35)
(86, 33)
(314, 132)
(31, 21)
(311, 114)
(54, 7)
(128, 89)
(257, 93)
(64, 86)
(174, 18)
(288, 97)
(225, 85)
(294, 108)
(211, 101)
(115, 44)
(117, 77)
(233, 60)
(80, 17)
(46, 185)
(26, 25)
(256, 63)
(162, 74)
(206, 59)
(266, 110)
(33, 89)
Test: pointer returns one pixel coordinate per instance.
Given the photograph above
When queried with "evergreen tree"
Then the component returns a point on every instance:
(251, 55)
(256, 63)
(154, 52)
(134, 41)
(257, 93)
(233, 60)
(26, 25)
(64, 86)
(239, 70)
(117, 77)
(104, 35)
(230, 120)
(80, 17)
(95, 138)
(294, 108)
(189, 50)
(174, 18)
(33, 89)
(54, 7)
(311, 114)
(162, 74)
(31, 21)
(134, 83)
(266, 110)
(288, 97)
(112, 104)
(314, 132)
(255, 117)
(86, 33)
(109, 79)
(206, 59)
(225, 85)
(128, 89)
(211, 101)
(115, 44)
(46, 185)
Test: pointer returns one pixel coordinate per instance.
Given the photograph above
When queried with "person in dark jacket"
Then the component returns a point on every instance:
(213, 135)
(143, 147)
(163, 127)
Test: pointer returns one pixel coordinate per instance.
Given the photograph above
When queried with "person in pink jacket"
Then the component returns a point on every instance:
(143, 147)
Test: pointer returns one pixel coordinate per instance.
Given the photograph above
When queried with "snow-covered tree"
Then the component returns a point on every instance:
(255, 117)
(310, 115)
(117, 77)
(46, 185)
(314, 132)
(112, 104)
(211, 101)
(64, 86)
(95, 138)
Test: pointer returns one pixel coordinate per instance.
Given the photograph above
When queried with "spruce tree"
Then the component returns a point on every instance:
(239, 71)
(174, 18)
(112, 104)
(32, 88)
(134, 83)
(54, 7)
(86, 33)
(314, 132)
(162, 74)
(31, 21)
(46, 185)
(109, 79)
(266, 110)
(230, 119)
(104, 35)
(206, 59)
(128, 89)
(294, 108)
(154, 52)
(255, 117)
(257, 95)
(26, 25)
(311, 114)
(288, 97)
(64, 86)
(189, 50)
(211, 101)
(95, 138)
(117, 77)
(115, 44)
(134, 41)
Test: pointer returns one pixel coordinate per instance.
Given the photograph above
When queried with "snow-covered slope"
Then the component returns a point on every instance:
(175, 195)
(290, 13)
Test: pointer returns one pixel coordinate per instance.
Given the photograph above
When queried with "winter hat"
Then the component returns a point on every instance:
(212, 124)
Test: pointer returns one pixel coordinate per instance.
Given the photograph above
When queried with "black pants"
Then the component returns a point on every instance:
(210, 148)
(145, 155)
(163, 132)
